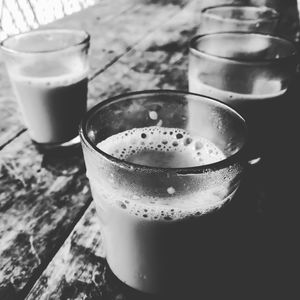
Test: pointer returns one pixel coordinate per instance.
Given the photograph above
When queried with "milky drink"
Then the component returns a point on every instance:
(251, 72)
(263, 91)
(52, 99)
(263, 106)
(161, 232)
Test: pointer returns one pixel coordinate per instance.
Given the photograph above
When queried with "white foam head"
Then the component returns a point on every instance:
(187, 151)
(179, 149)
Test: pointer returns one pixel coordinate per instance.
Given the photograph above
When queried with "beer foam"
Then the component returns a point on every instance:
(196, 151)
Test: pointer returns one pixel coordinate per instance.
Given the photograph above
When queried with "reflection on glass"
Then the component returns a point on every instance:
(238, 18)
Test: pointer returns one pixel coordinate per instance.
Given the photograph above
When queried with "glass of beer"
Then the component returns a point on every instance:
(253, 73)
(164, 167)
(48, 70)
(238, 18)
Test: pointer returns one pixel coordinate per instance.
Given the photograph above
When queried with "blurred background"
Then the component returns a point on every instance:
(18, 16)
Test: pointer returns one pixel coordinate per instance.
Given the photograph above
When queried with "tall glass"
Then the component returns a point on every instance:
(48, 70)
(167, 220)
(224, 18)
(252, 72)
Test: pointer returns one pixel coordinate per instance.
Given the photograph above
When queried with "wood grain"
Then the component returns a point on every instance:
(43, 196)
(41, 199)
(159, 61)
(78, 271)
(115, 27)
(12, 123)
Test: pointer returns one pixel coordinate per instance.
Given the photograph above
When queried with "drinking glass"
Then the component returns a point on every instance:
(238, 18)
(165, 222)
(276, 4)
(48, 70)
(252, 72)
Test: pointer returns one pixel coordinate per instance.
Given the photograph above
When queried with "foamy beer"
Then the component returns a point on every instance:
(164, 167)
(48, 70)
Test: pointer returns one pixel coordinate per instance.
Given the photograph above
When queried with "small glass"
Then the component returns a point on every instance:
(48, 70)
(224, 18)
(252, 72)
(165, 222)
(276, 4)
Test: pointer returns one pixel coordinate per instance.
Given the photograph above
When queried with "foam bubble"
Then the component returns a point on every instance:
(146, 146)
(175, 208)
(153, 115)
(176, 148)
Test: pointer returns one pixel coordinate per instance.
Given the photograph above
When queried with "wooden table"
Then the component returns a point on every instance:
(50, 243)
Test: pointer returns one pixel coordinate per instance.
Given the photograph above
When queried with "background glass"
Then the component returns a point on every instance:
(156, 247)
(48, 70)
(276, 4)
(252, 72)
(238, 18)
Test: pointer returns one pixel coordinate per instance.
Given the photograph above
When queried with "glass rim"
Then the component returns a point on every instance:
(275, 14)
(239, 156)
(294, 53)
(84, 40)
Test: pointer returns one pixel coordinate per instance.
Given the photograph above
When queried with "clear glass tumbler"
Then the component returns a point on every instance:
(252, 72)
(276, 4)
(48, 70)
(224, 18)
(164, 206)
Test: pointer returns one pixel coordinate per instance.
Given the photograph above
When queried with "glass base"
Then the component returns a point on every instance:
(71, 145)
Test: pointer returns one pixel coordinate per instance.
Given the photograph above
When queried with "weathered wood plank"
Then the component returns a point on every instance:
(160, 61)
(77, 271)
(114, 26)
(42, 196)
(11, 122)
(160, 45)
